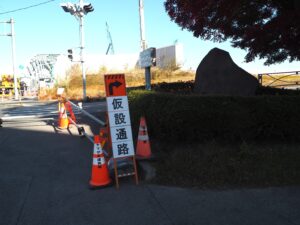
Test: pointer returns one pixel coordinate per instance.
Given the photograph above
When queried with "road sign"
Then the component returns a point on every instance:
(115, 85)
(119, 123)
(148, 58)
(121, 134)
(118, 116)
(117, 103)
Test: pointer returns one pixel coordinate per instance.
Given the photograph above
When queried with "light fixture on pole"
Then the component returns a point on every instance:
(79, 10)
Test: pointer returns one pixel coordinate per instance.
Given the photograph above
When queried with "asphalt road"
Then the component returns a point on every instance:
(44, 175)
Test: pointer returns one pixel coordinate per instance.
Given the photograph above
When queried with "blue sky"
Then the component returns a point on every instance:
(48, 29)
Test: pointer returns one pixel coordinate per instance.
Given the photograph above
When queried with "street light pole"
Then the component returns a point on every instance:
(82, 58)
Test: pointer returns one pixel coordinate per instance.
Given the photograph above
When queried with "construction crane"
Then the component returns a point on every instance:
(110, 47)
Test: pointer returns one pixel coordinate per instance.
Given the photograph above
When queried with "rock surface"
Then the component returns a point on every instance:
(217, 74)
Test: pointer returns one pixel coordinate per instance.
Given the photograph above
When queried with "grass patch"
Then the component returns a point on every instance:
(215, 165)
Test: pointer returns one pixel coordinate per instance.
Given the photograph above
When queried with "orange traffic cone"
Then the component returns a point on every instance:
(143, 150)
(70, 110)
(63, 121)
(100, 173)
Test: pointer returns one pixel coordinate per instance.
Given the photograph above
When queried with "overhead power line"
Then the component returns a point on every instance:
(27, 7)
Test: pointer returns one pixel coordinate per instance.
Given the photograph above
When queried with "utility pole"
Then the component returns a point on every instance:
(142, 26)
(13, 48)
(82, 58)
(144, 44)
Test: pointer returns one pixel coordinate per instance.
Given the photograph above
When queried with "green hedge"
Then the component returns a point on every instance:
(172, 117)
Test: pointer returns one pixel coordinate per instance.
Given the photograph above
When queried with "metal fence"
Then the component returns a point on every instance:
(290, 79)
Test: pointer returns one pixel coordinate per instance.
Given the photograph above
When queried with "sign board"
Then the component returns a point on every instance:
(115, 85)
(148, 58)
(118, 115)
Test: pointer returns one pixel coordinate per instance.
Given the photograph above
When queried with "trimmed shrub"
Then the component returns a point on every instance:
(175, 87)
(194, 118)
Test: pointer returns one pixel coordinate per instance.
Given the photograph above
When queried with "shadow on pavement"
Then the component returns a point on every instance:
(44, 179)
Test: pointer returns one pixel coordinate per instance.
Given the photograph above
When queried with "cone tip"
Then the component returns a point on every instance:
(97, 139)
(143, 121)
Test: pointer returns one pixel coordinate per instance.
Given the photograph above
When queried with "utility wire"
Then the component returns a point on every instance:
(28, 7)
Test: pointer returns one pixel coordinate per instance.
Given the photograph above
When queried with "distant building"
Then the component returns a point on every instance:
(170, 56)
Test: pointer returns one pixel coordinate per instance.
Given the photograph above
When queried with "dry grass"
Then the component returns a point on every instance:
(95, 82)
(47, 94)
(136, 77)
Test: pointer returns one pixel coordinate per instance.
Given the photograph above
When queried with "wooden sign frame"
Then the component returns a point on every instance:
(120, 175)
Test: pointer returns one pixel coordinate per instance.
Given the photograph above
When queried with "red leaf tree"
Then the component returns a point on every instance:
(267, 29)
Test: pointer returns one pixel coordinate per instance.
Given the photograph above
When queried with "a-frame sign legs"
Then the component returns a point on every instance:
(116, 173)
(135, 171)
(126, 174)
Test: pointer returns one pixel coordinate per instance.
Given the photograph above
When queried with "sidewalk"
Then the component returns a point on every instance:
(44, 176)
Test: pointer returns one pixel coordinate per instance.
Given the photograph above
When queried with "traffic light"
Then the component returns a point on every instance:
(88, 8)
(70, 54)
(68, 8)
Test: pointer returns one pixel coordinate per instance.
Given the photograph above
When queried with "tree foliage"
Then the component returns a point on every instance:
(268, 29)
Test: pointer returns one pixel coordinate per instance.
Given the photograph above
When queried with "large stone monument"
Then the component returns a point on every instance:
(217, 74)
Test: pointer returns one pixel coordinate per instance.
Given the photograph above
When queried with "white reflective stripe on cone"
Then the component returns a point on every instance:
(64, 116)
(63, 112)
(98, 161)
(143, 129)
(97, 148)
(143, 138)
